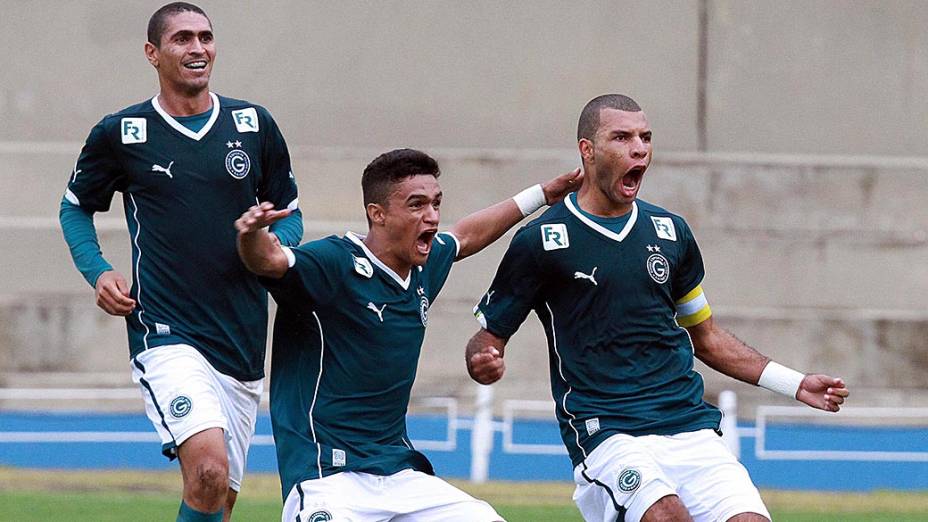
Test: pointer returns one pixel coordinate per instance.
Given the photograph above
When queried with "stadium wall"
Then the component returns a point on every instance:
(793, 76)
(820, 262)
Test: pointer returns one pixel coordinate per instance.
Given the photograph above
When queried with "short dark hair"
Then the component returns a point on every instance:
(392, 167)
(159, 21)
(589, 117)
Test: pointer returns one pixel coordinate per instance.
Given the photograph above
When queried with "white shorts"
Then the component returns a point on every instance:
(406, 496)
(185, 395)
(629, 474)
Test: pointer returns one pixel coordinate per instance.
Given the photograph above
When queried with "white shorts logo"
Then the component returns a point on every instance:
(554, 236)
(318, 516)
(664, 228)
(238, 164)
(181, 406)
(629, 480)
(246, 120)
(338, 457)
(133, 130)
(658, 268)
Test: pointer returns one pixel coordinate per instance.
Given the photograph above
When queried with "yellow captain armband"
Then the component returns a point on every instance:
(693, 308)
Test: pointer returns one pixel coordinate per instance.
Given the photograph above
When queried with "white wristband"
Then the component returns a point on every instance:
(530, 199)
(780, 379)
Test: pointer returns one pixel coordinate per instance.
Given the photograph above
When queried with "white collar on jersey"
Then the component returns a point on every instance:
(601, 229)
(179, 127)
(359, 240)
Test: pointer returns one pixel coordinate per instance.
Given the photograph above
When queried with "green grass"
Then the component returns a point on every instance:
(104, 496)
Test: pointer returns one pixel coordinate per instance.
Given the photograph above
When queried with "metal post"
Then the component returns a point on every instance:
(728, 403)
(481, 436)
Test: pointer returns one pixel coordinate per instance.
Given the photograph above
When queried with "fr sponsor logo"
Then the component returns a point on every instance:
(363, 266)
(664, 228)
(246, 120)
(554, 236)
(133, 130)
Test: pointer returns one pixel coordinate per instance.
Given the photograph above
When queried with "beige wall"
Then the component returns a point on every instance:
(785, 77)
(821, 261)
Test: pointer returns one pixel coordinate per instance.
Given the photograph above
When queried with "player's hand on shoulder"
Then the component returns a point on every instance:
(486, 366)
(823, 392)
(258, 217)
(112, 294)
(559, 187)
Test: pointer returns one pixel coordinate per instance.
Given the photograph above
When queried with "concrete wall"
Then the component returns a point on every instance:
(794, 76)
(820, 262)
(808, 207)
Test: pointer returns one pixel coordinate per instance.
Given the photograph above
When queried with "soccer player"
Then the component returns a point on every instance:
(188, 163)
(617, 285)
(351, 318)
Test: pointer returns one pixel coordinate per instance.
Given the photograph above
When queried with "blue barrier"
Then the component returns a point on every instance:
(833, 475)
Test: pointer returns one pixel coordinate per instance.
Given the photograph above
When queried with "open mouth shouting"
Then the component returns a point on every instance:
(424, 241)
(631, 181)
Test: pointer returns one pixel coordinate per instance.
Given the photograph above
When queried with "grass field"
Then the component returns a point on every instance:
(104, 496)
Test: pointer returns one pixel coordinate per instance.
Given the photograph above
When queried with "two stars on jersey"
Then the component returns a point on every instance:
(237, 161)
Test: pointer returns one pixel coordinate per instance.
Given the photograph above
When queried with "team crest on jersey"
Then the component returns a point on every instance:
(238, 164)
(363, 266)
(423, 306)
(133, 130)
(629, 480)
(319, 516)
(246, 120)
(554, 236)
(664, 228)
(181, 406)
(658, 267)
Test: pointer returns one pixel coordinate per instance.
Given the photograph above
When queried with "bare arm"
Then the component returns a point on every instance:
(727, 354)
(478, 230)
(484, 357)
(260, 250)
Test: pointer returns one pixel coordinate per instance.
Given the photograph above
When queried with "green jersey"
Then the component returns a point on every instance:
(347, 338)
(182, 192)
(610, 303)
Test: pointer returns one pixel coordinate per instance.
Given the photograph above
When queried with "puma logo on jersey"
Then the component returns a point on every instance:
(379, 311)
(166, 170)
(590, 278)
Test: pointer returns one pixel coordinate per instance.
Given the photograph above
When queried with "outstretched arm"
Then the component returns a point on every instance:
(725, 353)
(478, 230)
(260, 251)
(484, 357)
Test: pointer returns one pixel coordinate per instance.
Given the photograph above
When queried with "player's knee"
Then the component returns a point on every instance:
(667, 509)
(211, 479)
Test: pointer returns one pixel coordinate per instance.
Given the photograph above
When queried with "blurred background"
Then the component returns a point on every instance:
(792, 136)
